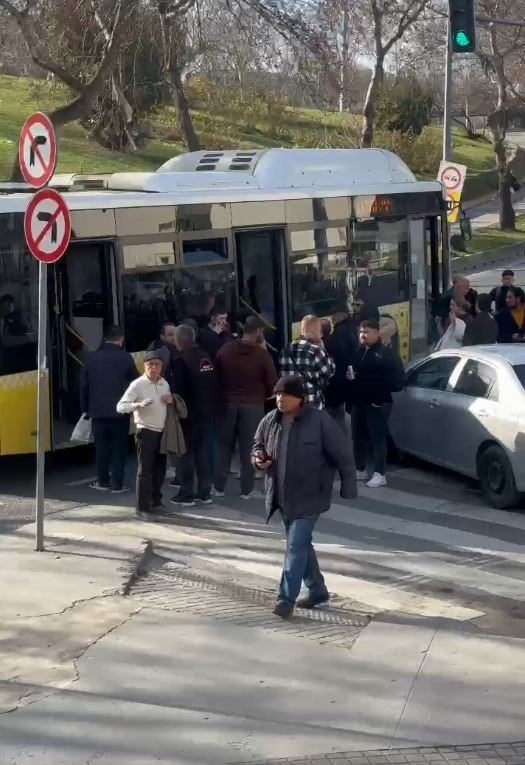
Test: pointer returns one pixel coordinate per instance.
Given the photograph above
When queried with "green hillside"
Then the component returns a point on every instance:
(228, 124)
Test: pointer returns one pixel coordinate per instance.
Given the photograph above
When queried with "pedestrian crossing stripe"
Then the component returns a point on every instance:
(463, 561)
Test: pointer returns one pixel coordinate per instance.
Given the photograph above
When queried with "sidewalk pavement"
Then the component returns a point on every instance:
(96, 677)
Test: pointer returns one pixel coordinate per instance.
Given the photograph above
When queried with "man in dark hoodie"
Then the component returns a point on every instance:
(246, 376)
(341, 345)
(194, 380)
(378, 373)
(106, 376)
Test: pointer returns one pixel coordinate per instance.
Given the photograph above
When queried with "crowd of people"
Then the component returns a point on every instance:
(205, 392)
(464, 317)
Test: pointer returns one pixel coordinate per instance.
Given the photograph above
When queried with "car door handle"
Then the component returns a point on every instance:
(434, 403)
(483, 413)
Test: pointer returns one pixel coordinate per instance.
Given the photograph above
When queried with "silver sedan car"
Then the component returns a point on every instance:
(464, 409)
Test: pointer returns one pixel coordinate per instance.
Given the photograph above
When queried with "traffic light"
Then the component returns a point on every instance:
(463, 26)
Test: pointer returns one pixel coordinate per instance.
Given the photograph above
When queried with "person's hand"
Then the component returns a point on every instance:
(261, 461)
(167, 399)
(146, 402)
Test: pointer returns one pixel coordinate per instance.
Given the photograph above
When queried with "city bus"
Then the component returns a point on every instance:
(279, 233)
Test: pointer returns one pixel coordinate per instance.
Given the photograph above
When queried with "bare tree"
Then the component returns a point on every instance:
(173, 34)
(502, 55)
(390, 19)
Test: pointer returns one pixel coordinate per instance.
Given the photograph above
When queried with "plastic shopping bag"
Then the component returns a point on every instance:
(82, 432)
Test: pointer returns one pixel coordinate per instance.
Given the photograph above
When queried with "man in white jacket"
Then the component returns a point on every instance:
(148, 398)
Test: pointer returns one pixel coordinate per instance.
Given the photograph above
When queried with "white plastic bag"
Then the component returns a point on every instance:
(82, 432)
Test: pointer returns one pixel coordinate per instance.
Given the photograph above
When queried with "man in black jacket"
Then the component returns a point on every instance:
(482, 329)
(498, 295)
(378, 372)
(341, 345)
(195, 381)
(511, 321)
(300, 447)
(106, 376)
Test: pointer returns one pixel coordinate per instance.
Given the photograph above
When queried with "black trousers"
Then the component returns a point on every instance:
(370, 429)
(197, 460)
(237, 422)
(151, 470)
(111, 449)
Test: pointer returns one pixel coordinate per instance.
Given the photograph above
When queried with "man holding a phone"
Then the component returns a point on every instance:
(148, 398)
(300, 447)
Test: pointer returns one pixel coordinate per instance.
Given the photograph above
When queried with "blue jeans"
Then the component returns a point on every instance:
(300, 563)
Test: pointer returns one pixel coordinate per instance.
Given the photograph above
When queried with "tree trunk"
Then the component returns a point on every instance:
(183, 111)
(369, 111)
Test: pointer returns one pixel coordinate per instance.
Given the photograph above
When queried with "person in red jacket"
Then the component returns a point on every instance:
(246, 376)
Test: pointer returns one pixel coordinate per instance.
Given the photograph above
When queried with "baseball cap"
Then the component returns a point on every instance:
(292, 385)
(152, 356)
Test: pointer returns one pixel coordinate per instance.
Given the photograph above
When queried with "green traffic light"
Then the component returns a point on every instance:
(461, 39)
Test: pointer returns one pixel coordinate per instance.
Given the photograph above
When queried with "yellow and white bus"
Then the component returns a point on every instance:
(280, 232)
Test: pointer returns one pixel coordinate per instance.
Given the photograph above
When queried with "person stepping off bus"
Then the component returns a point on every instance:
(106, 375)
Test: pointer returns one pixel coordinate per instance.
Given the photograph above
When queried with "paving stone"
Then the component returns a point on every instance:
(484, 754)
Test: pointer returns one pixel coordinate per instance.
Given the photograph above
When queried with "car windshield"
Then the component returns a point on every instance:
(520, 373)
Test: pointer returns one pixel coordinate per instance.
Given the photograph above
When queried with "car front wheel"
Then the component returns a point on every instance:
(496, 478)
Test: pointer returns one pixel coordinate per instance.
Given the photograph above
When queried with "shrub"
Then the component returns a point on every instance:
(404, 106)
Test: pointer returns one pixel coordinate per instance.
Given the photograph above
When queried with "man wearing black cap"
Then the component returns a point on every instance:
(148, 398)
(300, 447)
(499, 294)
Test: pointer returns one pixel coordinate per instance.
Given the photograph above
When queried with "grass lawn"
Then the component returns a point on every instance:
(491, 237)
(20, 96)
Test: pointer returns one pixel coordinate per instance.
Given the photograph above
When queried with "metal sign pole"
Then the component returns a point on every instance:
(41, 406)
(447, 106)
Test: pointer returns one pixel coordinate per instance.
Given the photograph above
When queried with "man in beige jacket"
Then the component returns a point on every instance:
(148, 398)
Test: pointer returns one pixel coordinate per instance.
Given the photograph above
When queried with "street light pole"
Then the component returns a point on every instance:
(447, 107)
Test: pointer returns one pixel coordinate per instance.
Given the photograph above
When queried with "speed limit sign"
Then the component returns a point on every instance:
(452, 176)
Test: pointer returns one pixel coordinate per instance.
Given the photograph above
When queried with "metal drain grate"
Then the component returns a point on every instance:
(180, 589)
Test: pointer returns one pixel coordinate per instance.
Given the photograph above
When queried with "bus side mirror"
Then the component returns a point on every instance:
(465, 226)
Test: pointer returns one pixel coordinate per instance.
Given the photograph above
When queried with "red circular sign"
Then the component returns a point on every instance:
(450, 177)
(47, 226)
(37, 150)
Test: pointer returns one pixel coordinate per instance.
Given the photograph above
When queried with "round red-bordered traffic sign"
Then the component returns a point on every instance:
(451, 177)
(37, 150)
(47, 226)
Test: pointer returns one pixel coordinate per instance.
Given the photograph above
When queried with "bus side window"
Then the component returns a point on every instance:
(18, 299)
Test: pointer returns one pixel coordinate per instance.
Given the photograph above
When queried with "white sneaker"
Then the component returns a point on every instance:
(255, 494)
(361, 475)
(215, 493)
(376, 481)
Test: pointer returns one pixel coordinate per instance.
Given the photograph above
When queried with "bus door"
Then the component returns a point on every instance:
(261, 279)
(83, 301)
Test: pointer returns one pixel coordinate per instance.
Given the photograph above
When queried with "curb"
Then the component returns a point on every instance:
(136, 566)
(486, 261)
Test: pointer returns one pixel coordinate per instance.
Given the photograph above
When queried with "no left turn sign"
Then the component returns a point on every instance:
(37, 150)
(47, 226)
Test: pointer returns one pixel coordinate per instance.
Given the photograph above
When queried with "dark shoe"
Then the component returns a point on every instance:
(122, 490)
(160, 508)
(205, 500)
(99, 486)
(283, 609)
(311, 602)
(184, 501)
